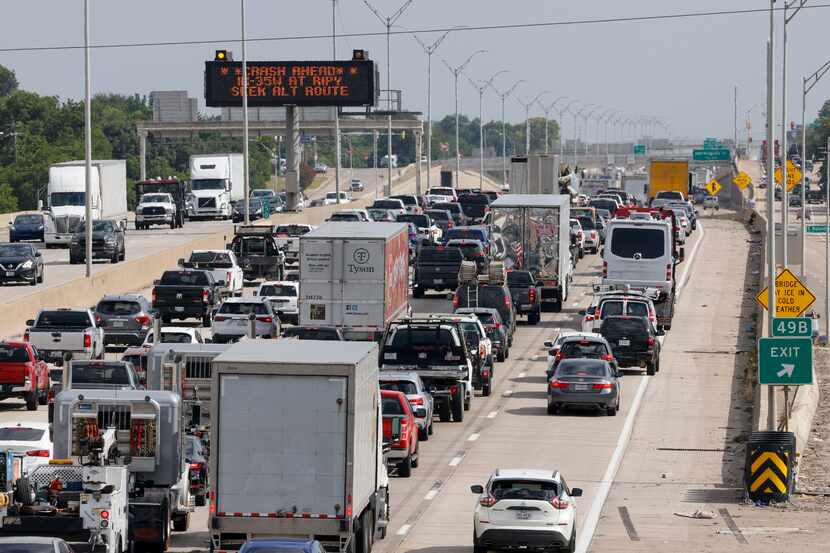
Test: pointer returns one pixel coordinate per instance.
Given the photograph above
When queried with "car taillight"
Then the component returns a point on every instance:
(453, 390)
(98, 320)
(212, 506)
(532, 295)
(507, 301)
(26, 336)
(195, 466)
(589, 317)
(219, 319)
(205, 296)
(228, 279)
(557, 385)
(559, 355)
(604, 269)
(650, 341)
(607, 357)
(602, 386)
(594, 234)
(488, 501)
(143, 320)
(558, 503)
(668, 271)
(37, 453)
(87, 341)
(268, 320)
(416, 401)
(456, 301)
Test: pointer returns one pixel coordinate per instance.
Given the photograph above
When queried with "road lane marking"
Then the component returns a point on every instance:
(507, 393)
(686, 272)
(473, 437)
(455, 461)
(629, 525)
(431, 495)
(733, 527)
(575, 304)
(522, 375)
(403, 530)
(492, 414)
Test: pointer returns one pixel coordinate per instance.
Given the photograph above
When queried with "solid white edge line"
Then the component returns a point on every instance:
(522, 375)
(589, 526)
(403, 530)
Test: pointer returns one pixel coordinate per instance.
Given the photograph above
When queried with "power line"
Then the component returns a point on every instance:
(508, 26)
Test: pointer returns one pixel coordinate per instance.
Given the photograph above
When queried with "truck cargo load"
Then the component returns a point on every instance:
(668, 174)
(354, 276)
(297, 444)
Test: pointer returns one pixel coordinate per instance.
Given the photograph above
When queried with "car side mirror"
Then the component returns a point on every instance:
(548, 344)
(477, 489)
(156, 282)
(661, 332)
(38, 254)
(11, 223)
(30, 322)
(576, 492)
(181, 262)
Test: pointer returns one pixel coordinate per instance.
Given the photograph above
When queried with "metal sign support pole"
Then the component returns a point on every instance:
(292, 169)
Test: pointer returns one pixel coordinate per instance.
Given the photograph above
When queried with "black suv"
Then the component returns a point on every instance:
(495, 296)
(633, 341)
(107, 242)
(436, 268)
(525, 295)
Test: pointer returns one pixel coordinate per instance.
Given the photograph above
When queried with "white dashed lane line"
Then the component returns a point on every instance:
(455, 461)
(473, 437)
(492, 414)
(507, 393)
(431, 495)
(403, 530)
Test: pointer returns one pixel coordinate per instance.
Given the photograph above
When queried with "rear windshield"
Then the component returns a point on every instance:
(301, 333)
(486, 318)
(20, 434)
(575, 368)
(64, 319)
(234, 308)
(579, 349)
(184, 278)
(586, 222)
(451, 207)
(100, 373)
(419, 220)
(118, 308)
(392, 406)
(219, 260)
(610, 308)
(524, 489)
(13, 354)
(669, 195)
(407, 200)
(472, 338)
(610, 205)
(277, 290)
(345, 217)
(421, 345)
(466, 248)
(172, 338)
(480, 199)
(439, 214)
(645, 243)
(441, 192)
(470, 234)
(292, 230)
(448, 255)
(405, 386)
(519, 278)
(387, 204)
(624, 326)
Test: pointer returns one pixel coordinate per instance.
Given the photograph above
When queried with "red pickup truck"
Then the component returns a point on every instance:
(23, 374)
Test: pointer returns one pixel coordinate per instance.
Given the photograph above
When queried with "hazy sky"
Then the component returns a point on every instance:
(680, 70)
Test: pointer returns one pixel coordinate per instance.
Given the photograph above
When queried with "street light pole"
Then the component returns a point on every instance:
(481, 90)
(527, 107)
(503, 96)
(547, 110)
(245, 153)
(87, 143)
(562, 113)
(389, 22)
(337, 139)
(456, 71)
(429, 51)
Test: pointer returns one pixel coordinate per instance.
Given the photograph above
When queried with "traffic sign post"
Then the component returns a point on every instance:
(713, 187)
(792, 298)
(785, 361)
(793, 327)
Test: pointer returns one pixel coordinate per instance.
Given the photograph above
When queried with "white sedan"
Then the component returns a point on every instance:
(29, 441)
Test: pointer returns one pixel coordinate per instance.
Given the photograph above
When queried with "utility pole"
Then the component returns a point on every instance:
(456, 71)
(503, 96)
(87, 143)
(389, 22)
(430, 49)
(481, 88)
(735, 125)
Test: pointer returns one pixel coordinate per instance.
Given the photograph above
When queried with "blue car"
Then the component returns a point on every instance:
(282, 545)
(31, 226)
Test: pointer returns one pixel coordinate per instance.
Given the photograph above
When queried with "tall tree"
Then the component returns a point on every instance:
(8, 81)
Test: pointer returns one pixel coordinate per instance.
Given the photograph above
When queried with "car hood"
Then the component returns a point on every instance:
(155, 204)
(95, 235)
(207, 193)
(15, 260)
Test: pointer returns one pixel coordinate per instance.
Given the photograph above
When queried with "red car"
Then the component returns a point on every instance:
(397, 415)
(23, 374)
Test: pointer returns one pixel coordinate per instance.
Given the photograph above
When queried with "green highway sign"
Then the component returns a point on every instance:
(785, 361)
(639, 149)
(816, 229)
(792, 327)
(712, 144)
(719, 154)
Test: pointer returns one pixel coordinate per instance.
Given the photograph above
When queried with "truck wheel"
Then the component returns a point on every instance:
(423, 434)
(417, 292)
(43, 397)
(444, 412)
(181, 523)
(501, 356)
(477, 547)
(24, 493)
(650, 368)
(31, 401)
(201, 500)
(405, 467)
(458, 405)
(485, 389)
(116, 257)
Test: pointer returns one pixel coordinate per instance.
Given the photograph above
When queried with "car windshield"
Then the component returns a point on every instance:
(519, 278)
(207, 184)
(439, 214)
(218, 260)
(470, 234)
(15, 250)
(61, 199)
(97, 226)
(586, 222)
(13, 354)
(184, 278)
(421, 221)
(243, 308)
(114, 307)
(433, 255)
(277, 290)
(405, 386)
(100, 373)
(193, 447)
(391, 406)
(638, 243)
(155, 199)
(64, 319)
(524, 489)
(28, 220)
(583, 348)
(172, 338)
(20, 434)
(577, 368)
(353, 217)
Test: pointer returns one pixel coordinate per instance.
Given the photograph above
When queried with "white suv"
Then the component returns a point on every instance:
(282, 295)
(232, 319)
(532, 509)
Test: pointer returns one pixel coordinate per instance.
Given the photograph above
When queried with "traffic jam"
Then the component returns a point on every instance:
(284, 384)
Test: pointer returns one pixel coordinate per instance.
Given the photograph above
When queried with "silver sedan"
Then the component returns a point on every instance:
(584, 382)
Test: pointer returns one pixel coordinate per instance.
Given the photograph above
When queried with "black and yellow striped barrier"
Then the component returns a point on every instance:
(769, 466)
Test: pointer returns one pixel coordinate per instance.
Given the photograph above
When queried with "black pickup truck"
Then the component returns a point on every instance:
(185, 294)
(525, 295)
(436, 268)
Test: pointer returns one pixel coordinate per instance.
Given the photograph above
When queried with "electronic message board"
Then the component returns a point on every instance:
(292, 83)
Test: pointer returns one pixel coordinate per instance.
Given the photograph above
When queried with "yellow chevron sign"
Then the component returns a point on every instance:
(769, 455)
(768, 473)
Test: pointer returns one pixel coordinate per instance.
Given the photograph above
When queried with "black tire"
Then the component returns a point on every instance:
(552, 409)
(571, 547)
(611, 410)
(23, 492)
(501, 357)
(34, 281)
(507, 353)
(431, 428)
(417, 292)
(165, 531)
(485, 389)
(405, 467)
(31, 401)
(477, 547)
(458, 405)
(416, 458)
(123, 254)
(533, 318)
(201, 500)
(166, 319)
(43, 398)
(650, 368)
(42, 276)
(206, 321)
(173, 225)
(423, 434)
(467, 402)
(116, 258)
(444, 412)
(181, 523)
(364, 538)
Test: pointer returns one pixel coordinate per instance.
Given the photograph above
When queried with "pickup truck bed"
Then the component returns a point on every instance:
(56, 332)
(185, 294)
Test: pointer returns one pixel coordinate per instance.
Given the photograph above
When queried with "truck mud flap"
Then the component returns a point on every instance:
(147, 522)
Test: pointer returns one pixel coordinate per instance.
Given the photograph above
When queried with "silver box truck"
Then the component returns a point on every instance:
(297, 444)
(536, 233)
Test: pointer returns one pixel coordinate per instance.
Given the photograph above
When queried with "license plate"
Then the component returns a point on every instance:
(240, 322)
(523, 515)
(438, 280)
(178, 309)
(10, 273)
(526, 306)
(580, 387)
(625, 342)
(118, 324)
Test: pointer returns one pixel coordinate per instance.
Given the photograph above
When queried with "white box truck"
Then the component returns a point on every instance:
(216, 180)
(297, 444)
(66, 193)
(354, 276)
(637, 186)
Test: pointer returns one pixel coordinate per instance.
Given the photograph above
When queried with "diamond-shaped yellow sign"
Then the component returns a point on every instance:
(742, 180)
(792, 298)
(794, 175)
(713, 187)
